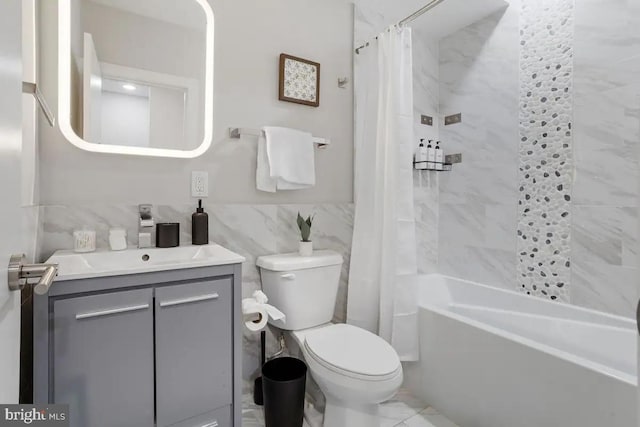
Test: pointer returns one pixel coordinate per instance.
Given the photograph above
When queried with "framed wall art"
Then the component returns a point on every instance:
(299, 80)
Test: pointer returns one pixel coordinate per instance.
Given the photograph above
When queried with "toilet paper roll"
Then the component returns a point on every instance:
(256, 317)
(261, 299)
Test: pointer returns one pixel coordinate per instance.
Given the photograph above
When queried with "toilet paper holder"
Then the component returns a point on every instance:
(253, 317)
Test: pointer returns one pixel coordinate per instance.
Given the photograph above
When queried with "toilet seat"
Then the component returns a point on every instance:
(353, 352)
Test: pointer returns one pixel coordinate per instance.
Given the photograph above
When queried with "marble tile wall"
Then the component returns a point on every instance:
(426, 95)
(478, 199)
(250, 230)
(604, 242)
(371, 17)
(31, 229)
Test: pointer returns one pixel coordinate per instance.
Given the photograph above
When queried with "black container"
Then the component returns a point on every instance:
(283, 385)
(258, 397)
(200, 226)
(167, 235)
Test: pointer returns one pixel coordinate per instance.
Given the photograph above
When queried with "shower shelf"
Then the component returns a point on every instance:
(422, 166)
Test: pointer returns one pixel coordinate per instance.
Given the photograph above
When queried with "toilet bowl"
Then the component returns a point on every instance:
(355, 369)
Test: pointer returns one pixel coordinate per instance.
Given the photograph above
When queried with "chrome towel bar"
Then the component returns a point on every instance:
(236, 133)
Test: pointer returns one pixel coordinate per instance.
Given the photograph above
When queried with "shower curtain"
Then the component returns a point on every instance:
(382, 289)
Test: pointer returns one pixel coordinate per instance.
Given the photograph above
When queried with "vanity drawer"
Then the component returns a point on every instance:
(221, 417)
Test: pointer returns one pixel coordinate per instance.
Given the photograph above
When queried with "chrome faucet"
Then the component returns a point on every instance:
(145, 226)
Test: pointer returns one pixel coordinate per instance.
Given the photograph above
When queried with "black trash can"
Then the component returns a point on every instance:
(283, 384)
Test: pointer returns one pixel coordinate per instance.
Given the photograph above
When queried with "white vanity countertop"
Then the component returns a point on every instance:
(102, 263)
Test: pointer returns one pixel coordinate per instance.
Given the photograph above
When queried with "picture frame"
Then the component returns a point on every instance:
(299, 80)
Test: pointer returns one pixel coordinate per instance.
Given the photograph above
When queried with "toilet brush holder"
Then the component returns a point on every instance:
(258, 396)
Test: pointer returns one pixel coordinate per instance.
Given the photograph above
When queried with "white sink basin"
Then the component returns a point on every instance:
(73, 265)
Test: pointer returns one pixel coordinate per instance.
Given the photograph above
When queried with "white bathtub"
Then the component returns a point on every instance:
(494, 358)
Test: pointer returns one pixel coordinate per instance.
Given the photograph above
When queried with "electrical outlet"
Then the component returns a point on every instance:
(199, 184)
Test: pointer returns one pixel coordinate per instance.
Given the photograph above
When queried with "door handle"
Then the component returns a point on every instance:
(189, 300)
(121, 310)
(20, 272)
(213, 424)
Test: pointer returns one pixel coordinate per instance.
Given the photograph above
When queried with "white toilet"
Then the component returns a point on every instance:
(355, 369)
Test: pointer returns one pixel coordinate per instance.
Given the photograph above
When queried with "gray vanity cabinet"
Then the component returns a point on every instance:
(193, 350)
(103, 358)
(154, 349)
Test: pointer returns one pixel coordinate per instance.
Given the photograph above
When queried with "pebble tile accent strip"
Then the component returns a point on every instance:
(545, 165)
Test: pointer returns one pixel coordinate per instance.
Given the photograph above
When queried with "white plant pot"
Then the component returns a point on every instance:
(305, 248)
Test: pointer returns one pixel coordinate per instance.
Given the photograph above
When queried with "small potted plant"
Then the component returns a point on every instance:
(306, 245)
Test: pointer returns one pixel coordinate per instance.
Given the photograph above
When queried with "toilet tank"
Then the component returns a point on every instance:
(303, 288)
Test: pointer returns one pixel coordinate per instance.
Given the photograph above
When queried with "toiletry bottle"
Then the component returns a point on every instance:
(200, 226)
(431, 156)
(424, 155)
(439, 157)
(421, 156)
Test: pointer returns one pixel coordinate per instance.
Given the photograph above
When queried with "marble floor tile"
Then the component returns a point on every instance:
(404, 410)
(427, 418)
(403, 406)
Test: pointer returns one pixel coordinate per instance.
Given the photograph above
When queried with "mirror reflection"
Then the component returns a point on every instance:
(138, 72)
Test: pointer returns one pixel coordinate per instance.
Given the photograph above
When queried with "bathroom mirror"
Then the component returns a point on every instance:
(136, 77)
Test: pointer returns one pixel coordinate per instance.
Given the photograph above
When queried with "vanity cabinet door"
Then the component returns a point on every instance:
(103, 359)
(194, 349)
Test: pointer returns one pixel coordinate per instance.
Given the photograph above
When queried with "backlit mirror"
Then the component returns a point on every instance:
(136, 77)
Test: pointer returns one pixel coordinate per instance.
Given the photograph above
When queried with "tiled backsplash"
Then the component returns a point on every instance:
(249, 230)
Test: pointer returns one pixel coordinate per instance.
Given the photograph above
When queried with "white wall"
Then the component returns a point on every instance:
(10, 214)
(125, 119)
(167, 118)
(250, 35)
(145, 43)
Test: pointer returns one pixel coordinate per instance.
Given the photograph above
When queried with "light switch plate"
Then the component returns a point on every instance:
(199, 184)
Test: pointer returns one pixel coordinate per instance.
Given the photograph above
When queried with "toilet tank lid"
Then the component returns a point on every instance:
(294, 261)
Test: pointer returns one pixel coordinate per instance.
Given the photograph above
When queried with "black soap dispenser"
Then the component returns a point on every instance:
(200, 226)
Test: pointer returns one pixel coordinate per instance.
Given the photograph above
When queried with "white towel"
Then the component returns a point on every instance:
(285, 160)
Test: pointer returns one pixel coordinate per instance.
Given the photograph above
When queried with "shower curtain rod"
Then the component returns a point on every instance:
(409, 18)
